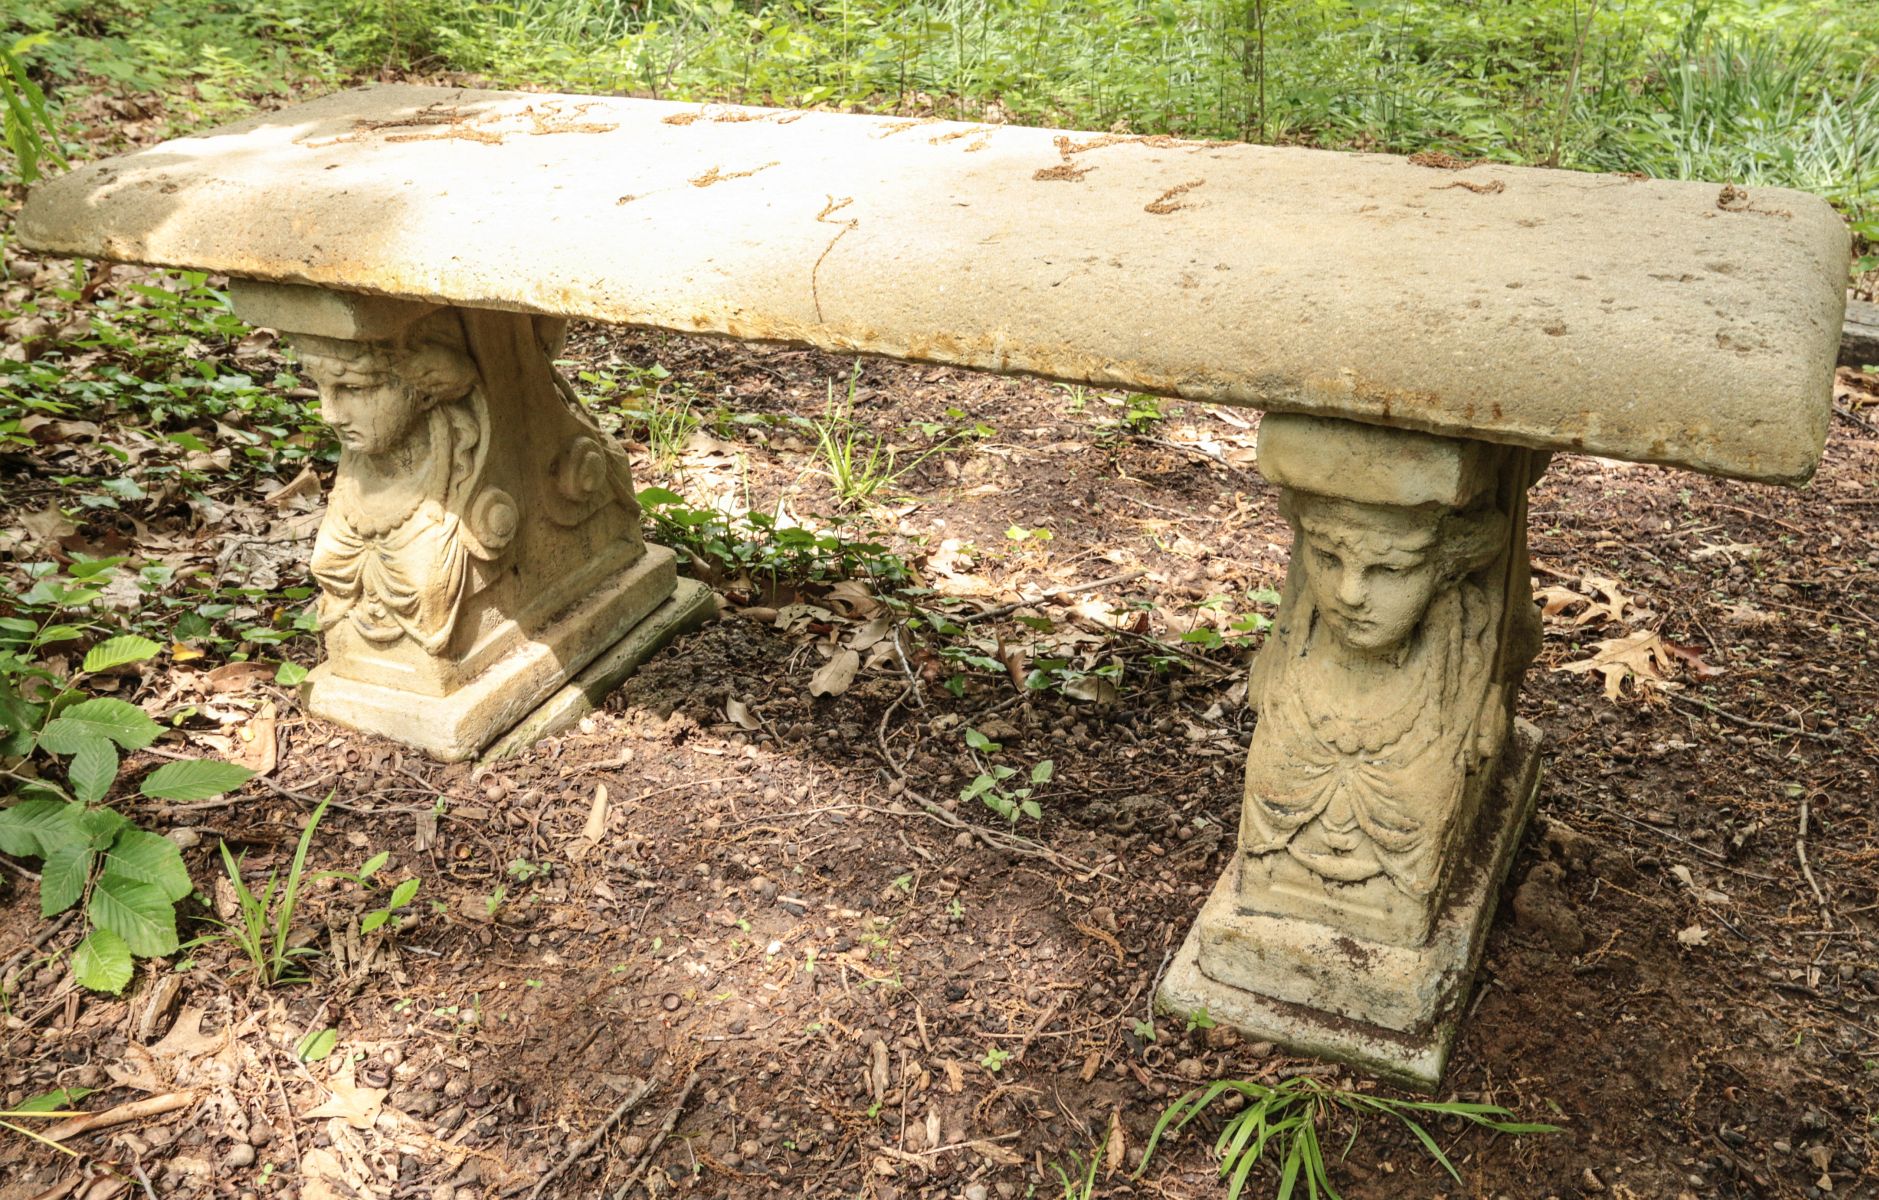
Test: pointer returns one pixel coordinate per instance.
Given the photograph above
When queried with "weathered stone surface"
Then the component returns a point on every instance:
(1859, 340)
(481, 542)
(1548, 309)
(1386, 687)
(690, 605)
(1392, 1010)
(1379, 800)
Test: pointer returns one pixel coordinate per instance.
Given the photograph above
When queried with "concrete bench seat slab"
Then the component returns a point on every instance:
(1652, 321)
(1423, 338)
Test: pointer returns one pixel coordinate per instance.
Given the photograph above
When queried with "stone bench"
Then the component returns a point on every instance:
(1421, 338)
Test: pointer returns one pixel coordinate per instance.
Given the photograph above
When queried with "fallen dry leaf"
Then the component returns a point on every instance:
(304, 486)
(1092, 689)
(48, 526)
(322, 1177)
(1017, 664)
(258, 343)
(256, 744)
(1640, 657)
(1116, 1146)
(596, 827)
(835, 675)
(738, 713)
(136, 1069)
(1729, 551)
(854, 597)
(1749, 615)
(1692, 659)
(1615, 605)
(185, 1040)
(876, 629)
(238, 677)
(356, 1106)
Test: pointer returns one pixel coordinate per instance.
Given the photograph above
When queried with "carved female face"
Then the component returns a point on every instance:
(1369, 570)
(373, 394)
(372, 411)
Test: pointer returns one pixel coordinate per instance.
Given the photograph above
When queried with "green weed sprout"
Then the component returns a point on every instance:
(1079, 1182)
(1288, 1117)
(860, 464)
(262, 922)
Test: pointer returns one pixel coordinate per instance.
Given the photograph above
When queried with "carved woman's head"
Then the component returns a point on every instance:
(1373, 569)
(373, 394)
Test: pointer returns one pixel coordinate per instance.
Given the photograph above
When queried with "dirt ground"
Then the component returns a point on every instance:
(830, 991)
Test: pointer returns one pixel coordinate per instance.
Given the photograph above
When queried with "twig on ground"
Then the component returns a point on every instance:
(287, 1110)
(1807, 872)
(123, 1114)
(1049, 1013)
(658, 1139)
(1004, 610)
(1210, 455)
(1155, 988)
(1747, 512)
(59, 1191)
(1850, 415)
(580, 1149)
(39, 939)
(1791, 730)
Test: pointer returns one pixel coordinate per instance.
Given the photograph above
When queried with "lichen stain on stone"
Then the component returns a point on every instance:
(1063, 172)
(1169, 201)
(439, 122)
(714, 175)
(981, 136)
(732, 116)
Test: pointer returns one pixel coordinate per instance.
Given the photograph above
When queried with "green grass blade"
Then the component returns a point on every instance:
(284, 915)
(1435, 1151)
(1288, 1178)
(1316, 1177)
(1236, 1133)
(1241, 1170)
(1168, 1117)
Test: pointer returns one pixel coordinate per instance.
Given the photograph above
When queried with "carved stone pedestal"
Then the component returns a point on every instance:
(482, 541)
(1387, 782)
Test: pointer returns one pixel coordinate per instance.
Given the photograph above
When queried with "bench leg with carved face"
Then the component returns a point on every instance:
(1387, 782)
(481, 544)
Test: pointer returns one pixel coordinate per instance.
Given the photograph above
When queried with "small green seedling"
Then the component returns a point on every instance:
(990, 786)
(263, 921)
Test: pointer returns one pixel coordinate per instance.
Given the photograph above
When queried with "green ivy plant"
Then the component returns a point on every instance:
(127, 881)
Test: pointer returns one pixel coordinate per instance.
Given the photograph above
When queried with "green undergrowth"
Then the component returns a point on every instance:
(166, 359)
(61, 739)
(764, 552)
